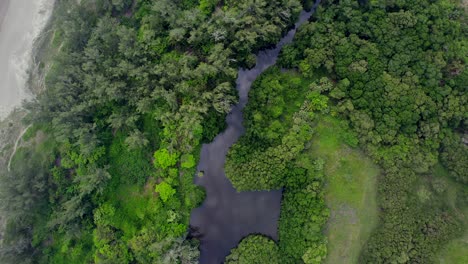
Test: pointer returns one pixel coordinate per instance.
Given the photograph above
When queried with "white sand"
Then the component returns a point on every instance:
(3, 9)
(21, 21)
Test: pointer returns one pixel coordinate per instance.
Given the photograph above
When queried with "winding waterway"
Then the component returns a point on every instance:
(226, 216)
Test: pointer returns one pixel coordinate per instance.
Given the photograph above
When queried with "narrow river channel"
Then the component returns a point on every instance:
(226, 216)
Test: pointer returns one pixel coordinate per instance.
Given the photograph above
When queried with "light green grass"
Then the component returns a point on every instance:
(456, 251)
(350, 191)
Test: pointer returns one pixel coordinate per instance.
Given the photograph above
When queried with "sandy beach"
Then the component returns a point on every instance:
(20, 23)
(3, 10)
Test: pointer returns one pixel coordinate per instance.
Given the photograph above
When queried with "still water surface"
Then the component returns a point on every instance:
(226, 216)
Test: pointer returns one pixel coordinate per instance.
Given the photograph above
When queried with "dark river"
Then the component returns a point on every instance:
(226, 216)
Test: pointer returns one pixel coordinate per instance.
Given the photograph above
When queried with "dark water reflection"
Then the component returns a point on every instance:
(226, 216)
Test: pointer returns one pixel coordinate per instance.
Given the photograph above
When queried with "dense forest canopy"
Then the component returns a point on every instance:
(132, 83)
(397, 71)
(133, 88)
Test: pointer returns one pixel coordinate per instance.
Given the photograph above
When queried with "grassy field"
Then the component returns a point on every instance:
(456, 251)
(350, 191)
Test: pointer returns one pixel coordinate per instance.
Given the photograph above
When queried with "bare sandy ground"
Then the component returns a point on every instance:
(21, 21)
(3, 10)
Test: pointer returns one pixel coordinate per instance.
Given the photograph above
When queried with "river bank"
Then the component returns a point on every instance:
(227, 216)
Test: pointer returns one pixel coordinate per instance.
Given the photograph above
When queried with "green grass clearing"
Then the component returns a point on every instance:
(456, 251)
(350, 191)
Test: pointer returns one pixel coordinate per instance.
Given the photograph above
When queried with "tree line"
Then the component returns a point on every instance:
(133, 90)
(279, 119)
(401, 77)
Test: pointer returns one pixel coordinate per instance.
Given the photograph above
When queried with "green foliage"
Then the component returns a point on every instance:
(257, 162)
(23, 191)
(103, 214)
(129, 78)
(273, 98)
(207, 6)
(124, 84)
(65, 250)
(187, 161)
(165, 191)
(254, 249)
(315, 254)
(454, 156)
(350, 190)
(214, 124)
(401, 87)
(136, 140)
(163, 159)
(303, 215)
(110, 250)
(132, 166)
